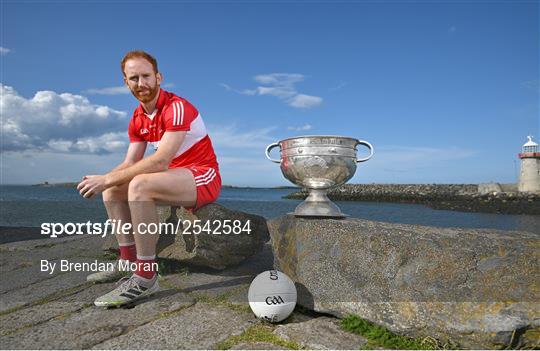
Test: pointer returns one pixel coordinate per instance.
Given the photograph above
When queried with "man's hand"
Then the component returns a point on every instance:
(91, 185)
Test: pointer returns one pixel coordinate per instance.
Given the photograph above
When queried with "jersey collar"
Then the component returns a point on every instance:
(162, 98)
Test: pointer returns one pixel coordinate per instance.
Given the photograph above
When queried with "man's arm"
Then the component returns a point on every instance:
(134, 154)
(158, 162)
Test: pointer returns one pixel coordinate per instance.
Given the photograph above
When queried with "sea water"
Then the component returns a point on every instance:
(30, 206)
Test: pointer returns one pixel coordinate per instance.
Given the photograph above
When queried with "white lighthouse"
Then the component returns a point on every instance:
(529, 177)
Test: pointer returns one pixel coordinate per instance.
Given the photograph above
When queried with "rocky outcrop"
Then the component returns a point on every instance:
(195, 309)
(212, 236)
(230, 238)
(491, 198)
(477, 288)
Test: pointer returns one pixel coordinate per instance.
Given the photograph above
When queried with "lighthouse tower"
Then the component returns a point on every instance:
(529, 177)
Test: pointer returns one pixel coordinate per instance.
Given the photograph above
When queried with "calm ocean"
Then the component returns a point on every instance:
(29, 206)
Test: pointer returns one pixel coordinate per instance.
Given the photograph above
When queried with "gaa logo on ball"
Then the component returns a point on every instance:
(272, 296)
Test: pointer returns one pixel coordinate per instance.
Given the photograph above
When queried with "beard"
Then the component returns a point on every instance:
(145, 95)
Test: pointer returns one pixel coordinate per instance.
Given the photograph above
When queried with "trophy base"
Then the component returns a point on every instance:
(317, 204)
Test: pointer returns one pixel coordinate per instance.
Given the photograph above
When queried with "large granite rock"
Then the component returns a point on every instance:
(212, 247)
(208, 248)
(215, 248)
(479, 288)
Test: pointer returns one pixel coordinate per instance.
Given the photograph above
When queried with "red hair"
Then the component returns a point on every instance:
(139, 54)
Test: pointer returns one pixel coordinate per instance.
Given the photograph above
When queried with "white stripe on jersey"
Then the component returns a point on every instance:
(204, 179)
(195, 134)
(207, 181)
(206, 175)
(176, 113)
(181, 113)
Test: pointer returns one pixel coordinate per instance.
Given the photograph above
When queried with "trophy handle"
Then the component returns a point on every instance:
(370, 147)
(270, 147)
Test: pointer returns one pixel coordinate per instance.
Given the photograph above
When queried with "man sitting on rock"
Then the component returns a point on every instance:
(183, 171)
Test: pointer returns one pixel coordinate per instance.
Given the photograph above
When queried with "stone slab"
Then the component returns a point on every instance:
(20, 261)
(233, 280)
(199, 327)
(33, 315)
(42, 290)
(322, 333)
(256, 346)
(94, 325)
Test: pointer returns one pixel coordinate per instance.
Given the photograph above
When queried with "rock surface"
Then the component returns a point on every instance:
(197, 307)
(199, 327)
(220, 246)
(321, 333)
(223, 239)
(479, 288)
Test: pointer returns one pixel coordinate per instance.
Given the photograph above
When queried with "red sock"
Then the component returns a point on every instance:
(146, 266)
(128, 252)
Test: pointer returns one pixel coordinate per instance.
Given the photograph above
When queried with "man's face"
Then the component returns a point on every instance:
(141, 79)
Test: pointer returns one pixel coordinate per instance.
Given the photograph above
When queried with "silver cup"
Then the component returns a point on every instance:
(318, 163)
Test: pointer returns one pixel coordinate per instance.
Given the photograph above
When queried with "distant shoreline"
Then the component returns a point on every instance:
(74, 184)
(485, 198)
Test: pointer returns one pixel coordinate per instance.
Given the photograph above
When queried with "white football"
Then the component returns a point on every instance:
(272, 296)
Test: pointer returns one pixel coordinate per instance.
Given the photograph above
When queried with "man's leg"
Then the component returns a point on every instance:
(115, 200)
(174, 187)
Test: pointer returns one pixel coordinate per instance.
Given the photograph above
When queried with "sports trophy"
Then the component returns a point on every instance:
(318, 163)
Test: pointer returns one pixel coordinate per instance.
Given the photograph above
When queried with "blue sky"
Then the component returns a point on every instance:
(445, 91)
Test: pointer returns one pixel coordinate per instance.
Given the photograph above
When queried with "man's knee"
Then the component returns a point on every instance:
(115, 193)
(139, 188)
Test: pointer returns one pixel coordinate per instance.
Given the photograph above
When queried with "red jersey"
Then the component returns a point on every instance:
(174, 113)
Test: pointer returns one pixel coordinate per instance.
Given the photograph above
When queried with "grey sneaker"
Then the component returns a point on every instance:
(130, 289)
(110, 275)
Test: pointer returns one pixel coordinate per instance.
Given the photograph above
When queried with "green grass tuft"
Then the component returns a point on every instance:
(381, 337)
(257, 333)
(223, 300)
(110, 256)
(169, 266)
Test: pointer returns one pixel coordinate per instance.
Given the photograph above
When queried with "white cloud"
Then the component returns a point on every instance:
(411, 158)
(59, 122)
(104, 144)
(304, 101)
(282, 86)
(280, 92)
(416, 164)
(228, 137)
(301, 128)
(226, 86)
(531, 84)
(241, 155)
(243, 92)
(4, 51)
(120, 90)
(341, 85)
(279, 79)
